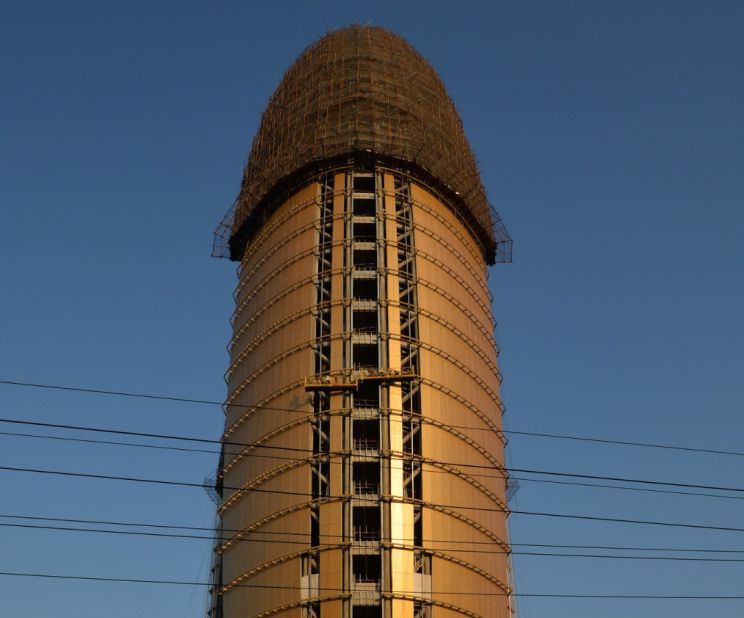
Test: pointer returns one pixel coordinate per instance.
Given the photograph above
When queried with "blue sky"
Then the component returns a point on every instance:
(610, 138)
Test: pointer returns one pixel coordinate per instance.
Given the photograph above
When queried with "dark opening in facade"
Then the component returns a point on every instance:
(366, 568)
(367, 395)
(366, 523)
(365, 289)
(366, 477)
(364, 184)
(364, 207)
(366, 435)
(367, 611)
(365, 258)
(366, 355)
(364, 231)
(364, 321)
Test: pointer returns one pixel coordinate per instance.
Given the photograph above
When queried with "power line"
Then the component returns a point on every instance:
(311, 452)
(177, 399)
(108, 442)
(338, 536)
(290, 533)
(100, 391)
(269, 533)
(397, 545)
(391, 498)
(629, 521)
(618, 487)
(457, 464)
(657, 445)
(333, 462)
(631, 548)
(394, 592)
(620, 557)
(203, 528)
(621, 479)
(159, 436)
(308, 413)
(162, 436)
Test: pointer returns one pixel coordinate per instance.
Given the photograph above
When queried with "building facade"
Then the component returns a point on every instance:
(362, 473)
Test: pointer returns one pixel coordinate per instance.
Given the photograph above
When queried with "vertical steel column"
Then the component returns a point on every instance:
(409, 358)
(320, 465)
(215, 578)
(386, 562)
(346, 467)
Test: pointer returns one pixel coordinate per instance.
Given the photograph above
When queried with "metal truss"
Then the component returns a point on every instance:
(320, 467)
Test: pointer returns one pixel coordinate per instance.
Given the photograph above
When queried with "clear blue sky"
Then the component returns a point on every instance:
(610, 137)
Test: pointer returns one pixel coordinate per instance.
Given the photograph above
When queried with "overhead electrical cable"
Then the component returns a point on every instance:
(656, 445)
(458, 464)
(101, 391)
(376, 500)
(305, 534)
(335, 462)
(18, 421)
(93, 578)
(397, 545)
(109, 442)
(557, 436)
(284, 533)
(673, 492)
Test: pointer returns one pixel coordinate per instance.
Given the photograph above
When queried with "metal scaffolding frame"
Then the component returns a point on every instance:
(411, 391)
(360, 92)
(321, 424)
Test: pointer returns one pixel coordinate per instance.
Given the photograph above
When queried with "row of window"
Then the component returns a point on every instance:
(366, 520)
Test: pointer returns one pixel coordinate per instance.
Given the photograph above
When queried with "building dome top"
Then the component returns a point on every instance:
(362, 92)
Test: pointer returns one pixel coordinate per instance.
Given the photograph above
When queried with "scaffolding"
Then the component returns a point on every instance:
(361, 96)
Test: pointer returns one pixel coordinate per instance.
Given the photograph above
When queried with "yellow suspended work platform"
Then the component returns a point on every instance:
(349, 380)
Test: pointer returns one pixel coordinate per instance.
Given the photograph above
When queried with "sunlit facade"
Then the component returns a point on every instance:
(362, 473)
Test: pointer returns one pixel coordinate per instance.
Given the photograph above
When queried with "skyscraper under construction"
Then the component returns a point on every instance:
(362, 473)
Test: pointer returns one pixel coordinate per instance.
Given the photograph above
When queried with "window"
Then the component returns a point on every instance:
(365, 289)
(367, 395)
(365, 231)
(366, 523)
(366, 435)
(364, 184)
(366, 568)
(363, 207)
(364, 321)
(366, 478)
(365, 258)
(366, 355)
